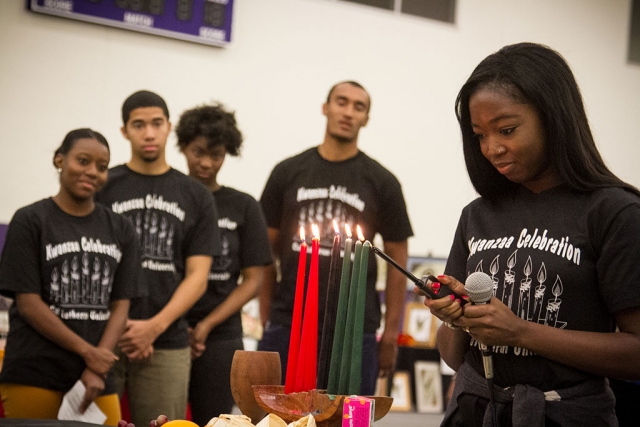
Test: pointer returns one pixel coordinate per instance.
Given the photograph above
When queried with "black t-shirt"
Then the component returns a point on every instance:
(244, 244)
(562, 258)
(174, 218)
(307, 189)
(78, 265)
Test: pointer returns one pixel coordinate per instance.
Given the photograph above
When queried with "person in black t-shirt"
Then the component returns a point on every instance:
(71, 266)
(206, 134)
(175, 221)
(557, 233)
(336, 180)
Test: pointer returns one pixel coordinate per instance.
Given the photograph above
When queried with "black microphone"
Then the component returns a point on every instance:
(479, 288)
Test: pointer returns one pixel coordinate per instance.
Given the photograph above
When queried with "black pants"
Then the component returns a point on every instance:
(209, 387)
(627, 400)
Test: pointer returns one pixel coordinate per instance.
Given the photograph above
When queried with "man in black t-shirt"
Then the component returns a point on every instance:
(176, 223)
(336, 180)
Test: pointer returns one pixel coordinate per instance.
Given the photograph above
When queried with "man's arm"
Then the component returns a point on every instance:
(394, 298)
(140, 334)
(270, 277)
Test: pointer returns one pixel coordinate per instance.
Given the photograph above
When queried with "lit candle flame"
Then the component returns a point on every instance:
(315, 231)
(336, 227)
(359, 230)
(302, 236)
(348, 230)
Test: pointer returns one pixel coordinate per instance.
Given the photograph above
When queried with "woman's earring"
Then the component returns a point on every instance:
(59, 170)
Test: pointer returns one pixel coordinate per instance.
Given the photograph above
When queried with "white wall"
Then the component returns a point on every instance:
(58, 74)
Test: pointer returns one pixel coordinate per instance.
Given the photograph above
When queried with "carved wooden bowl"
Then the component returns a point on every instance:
(325, 408)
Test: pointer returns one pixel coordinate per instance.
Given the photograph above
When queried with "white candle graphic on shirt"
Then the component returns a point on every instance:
(64, 282)
(525, 286)
(493, 269)
(153, 235)
(85, 278)
(55, 286)
(105, 283)
(169, 247)
(95, 281)
(138, 223)
(539, 294)
(553, 306)
(75, 280)
(162, 236)
(311, 213)
(509, 280)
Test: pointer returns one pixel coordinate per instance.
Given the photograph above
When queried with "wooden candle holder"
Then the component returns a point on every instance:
(325, 408)
(255, 385)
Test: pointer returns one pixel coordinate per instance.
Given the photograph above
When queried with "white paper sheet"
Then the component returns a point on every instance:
(69, 410)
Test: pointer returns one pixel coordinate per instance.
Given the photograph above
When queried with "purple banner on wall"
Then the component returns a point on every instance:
(199, 21)
(3, 234)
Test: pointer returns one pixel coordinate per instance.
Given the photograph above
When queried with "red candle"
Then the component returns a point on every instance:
(294, 339)
(308, 357)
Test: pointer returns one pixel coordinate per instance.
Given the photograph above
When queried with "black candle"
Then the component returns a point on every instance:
(330, 311)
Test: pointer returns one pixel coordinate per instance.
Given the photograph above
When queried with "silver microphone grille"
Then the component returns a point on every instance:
(479, 287)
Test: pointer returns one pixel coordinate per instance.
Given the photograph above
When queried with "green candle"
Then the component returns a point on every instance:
(355, 370)
(345, 364)
(341, 318)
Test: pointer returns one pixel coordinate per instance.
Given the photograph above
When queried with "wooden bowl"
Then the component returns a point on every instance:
(325, 408)
(249, 368)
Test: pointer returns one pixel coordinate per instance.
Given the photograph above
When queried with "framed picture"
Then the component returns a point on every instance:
(381, 282)
(382, 387)
(401, 391)
(422, 266)
(420, 325)
(199, 21)
(428, 387)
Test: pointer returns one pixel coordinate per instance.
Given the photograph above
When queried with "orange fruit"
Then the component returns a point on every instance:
(180, 423)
